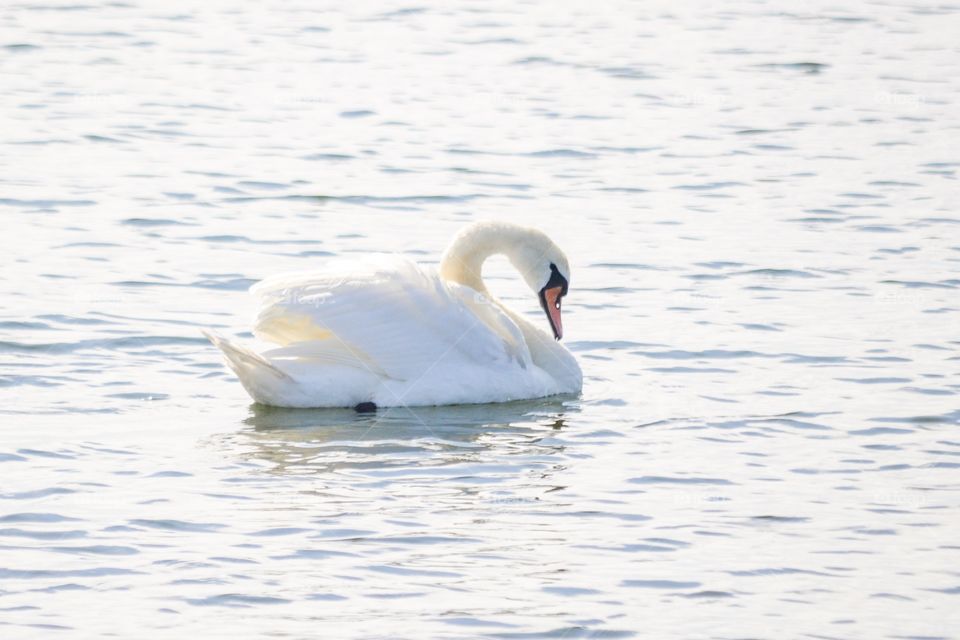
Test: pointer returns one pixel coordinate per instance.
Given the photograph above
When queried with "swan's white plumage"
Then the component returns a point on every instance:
(396, 334)
(394, 317)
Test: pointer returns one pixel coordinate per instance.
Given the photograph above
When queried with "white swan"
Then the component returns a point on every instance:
(397, 334)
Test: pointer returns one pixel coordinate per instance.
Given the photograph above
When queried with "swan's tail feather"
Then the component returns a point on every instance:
(312, 375)
(245, 362)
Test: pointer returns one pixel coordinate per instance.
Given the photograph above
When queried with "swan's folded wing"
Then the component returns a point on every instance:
(394, 317)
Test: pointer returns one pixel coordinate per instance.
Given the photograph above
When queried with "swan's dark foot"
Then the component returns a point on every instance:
(366, 407)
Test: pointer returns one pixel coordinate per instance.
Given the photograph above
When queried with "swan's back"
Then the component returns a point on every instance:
(395, 317)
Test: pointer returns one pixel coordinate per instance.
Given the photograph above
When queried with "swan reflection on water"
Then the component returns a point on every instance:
(322, 440)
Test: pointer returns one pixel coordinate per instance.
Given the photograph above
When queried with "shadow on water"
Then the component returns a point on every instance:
(320, 440)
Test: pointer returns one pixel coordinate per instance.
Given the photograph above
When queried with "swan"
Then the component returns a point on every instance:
(395, 333)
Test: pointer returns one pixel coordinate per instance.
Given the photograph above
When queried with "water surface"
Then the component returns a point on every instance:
(759, 202)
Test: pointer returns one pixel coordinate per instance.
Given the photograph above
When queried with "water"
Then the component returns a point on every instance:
(759, 201)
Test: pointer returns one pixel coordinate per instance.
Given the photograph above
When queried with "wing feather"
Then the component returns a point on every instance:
(392, 317)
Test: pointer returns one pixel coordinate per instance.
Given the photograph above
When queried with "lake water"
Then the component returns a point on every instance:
(759, 200)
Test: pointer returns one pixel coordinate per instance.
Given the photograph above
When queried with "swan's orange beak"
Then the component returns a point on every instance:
(550, 297)
(550, 301)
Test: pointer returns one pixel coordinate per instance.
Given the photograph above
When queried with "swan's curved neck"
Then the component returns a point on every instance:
(463, 260)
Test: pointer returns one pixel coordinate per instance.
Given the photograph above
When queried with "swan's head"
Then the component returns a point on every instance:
(546, 270)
